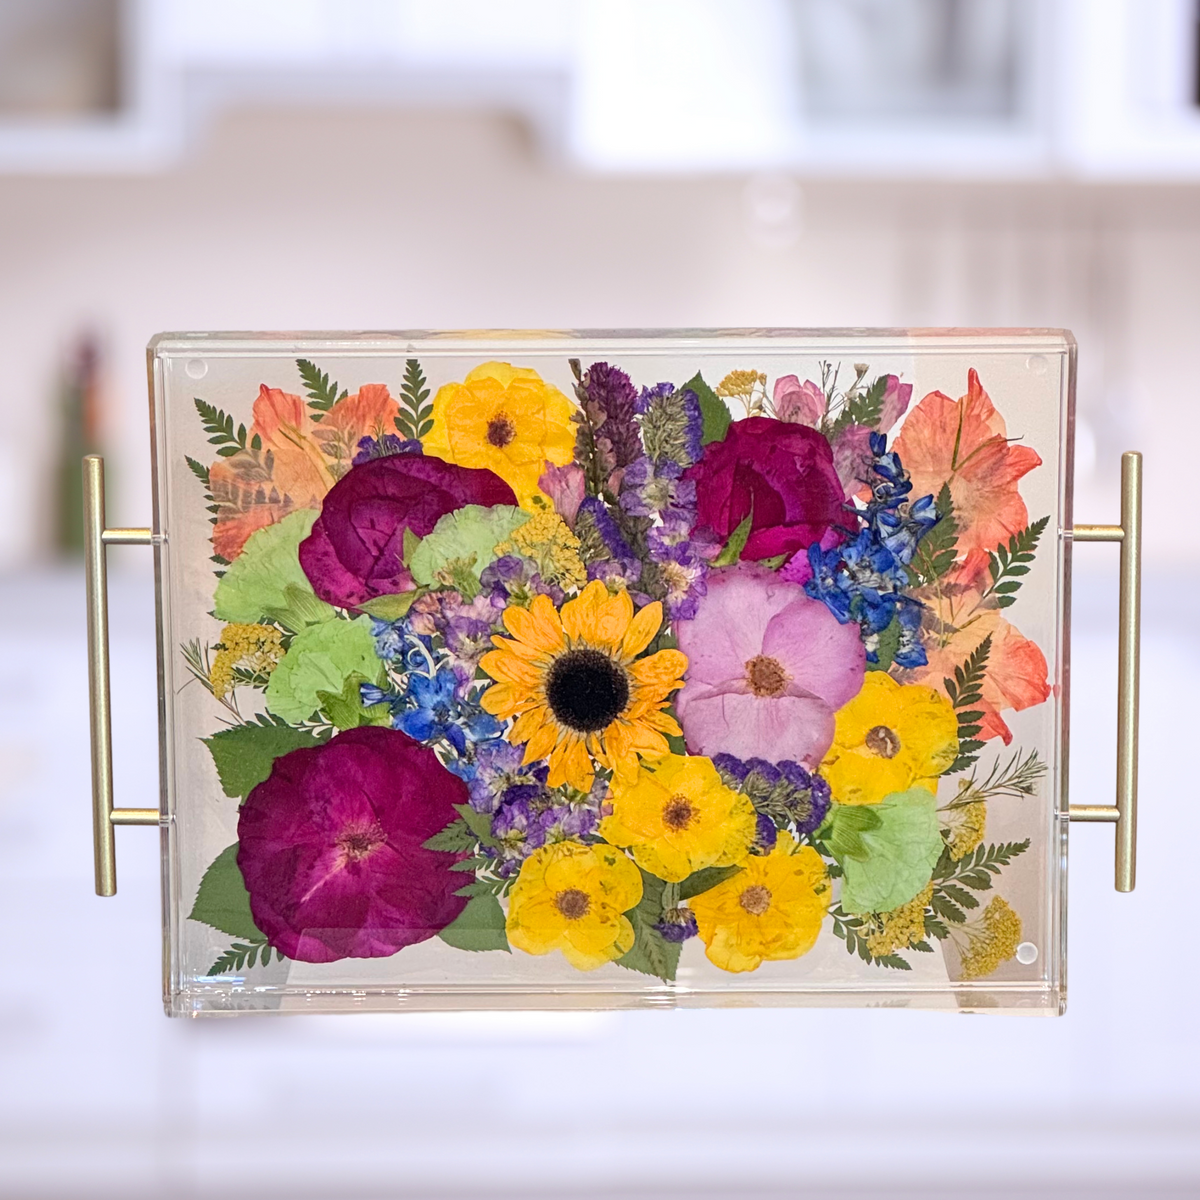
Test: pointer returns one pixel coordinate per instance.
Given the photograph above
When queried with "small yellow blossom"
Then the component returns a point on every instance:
(256, 648)
(572, 897)
(741, 383)
(771, 909)
(990, 942)
(679, 818)
(548, 541)
(965, 824)
(900, 928)
(890, 738)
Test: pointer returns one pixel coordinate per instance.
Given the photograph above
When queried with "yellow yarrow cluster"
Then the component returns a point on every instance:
(993, 941)
(255, 647)
(548, 541)
(966, 825)
(741, 383)
(903, 926)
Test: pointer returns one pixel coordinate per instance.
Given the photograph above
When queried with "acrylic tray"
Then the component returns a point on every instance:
(596, 670)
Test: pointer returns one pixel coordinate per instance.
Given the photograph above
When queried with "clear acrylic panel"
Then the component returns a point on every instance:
(613, 669)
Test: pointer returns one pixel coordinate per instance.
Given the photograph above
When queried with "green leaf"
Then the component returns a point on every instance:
(322, 395)
(1007, 563)
(346, 710)
(713, 411)
(651, 953)
(774, 562)
(737, 542)
(415, 418)
(966, 690)
(480, 824)
(900, 853)
(701, 881)
(223, 901)
(468, 535)
(411, 542)
(480, 926)
(239, 956)
(889, 643)
(244, 754)
(391, 607)
(937, 550)
(843, 827)
(456, 838)
(219, 427)
(321, 658)
(198, 469)
(266, 582)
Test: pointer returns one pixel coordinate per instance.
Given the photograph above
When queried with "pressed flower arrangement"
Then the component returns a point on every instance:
(650, 673)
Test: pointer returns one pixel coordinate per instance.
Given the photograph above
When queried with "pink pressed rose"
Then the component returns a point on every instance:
(803, 403)
(331, 846)
(779, 474)
(852, 458)
(767, 669)
(566, 487)
(895, 402)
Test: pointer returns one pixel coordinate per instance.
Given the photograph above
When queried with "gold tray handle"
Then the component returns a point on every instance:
(96, 540)
(1129, 534)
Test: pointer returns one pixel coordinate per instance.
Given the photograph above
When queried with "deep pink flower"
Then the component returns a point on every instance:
(767, 669)
(802, 403)
(852, 458)
(355, 551)
(780, 473)
(330, 847)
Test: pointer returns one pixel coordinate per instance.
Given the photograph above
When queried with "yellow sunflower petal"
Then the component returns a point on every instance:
(662, 670)
(501, 700)
(578, 615)
(536, 627)
(527, 724)
(509, 668)
(578, 768)
(541, 743)
(642, 630)
(611, 620)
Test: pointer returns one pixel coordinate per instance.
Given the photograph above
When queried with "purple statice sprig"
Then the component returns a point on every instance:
(671, 424)
(655, 488)
(382, 447)
(785, 793)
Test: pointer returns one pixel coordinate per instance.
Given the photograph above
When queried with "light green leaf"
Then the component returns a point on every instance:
(391, 607)
(737, 542)
(244, 754)
(897, 856)
(480, 926)
(713, 411)
(346, 710)
(466, 537)
(266, 582)
(223, 901)
(320, 659)
(699, 882)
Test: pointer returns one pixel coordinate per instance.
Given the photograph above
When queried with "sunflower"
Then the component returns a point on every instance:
(507, 419)
(575, 683)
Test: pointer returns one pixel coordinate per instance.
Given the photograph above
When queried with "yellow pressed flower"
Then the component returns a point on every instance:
(741, 383)
(257, 648)
(578, 689)
(900, 928)
(889, 738)
(507, 419)
(547, 539)
(965, 824)
(572, 897)
(771, 909)
(679, 818)
(991, 941)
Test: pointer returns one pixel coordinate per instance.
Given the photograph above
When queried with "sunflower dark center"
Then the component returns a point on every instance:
(572, 903)
(357, 842)
(766, 676)
(586, 690)
(501, 430)
(756, 899)
(678, 813)
(882, 741)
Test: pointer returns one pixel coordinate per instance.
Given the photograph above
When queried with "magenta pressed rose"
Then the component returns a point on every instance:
(331, 847)
(355, 551)
(767, 669)
(780, 473)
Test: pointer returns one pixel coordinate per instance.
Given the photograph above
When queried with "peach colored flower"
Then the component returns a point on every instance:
(1016, 676)
(965, 443)
(369, 412)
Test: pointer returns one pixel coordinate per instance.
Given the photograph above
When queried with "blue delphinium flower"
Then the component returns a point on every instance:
(440, 714)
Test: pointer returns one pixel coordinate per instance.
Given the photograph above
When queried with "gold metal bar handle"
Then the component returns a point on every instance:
(96, 539)
(1129, 535)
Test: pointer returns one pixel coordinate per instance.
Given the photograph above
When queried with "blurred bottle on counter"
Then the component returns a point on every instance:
(79, 434)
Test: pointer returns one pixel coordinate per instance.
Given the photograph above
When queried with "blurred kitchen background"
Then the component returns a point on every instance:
(342, 164)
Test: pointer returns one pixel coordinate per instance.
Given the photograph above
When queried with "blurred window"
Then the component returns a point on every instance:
(924, 60)
(59, 58)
